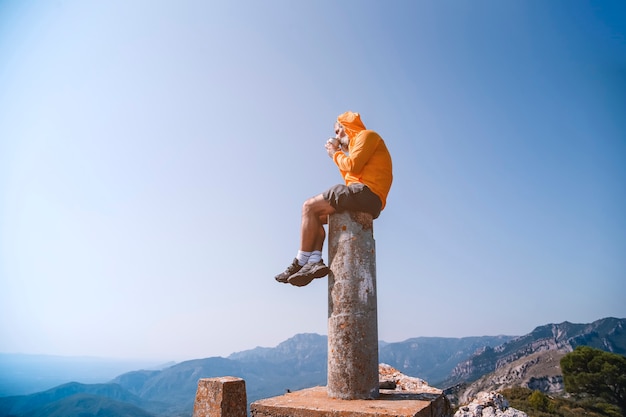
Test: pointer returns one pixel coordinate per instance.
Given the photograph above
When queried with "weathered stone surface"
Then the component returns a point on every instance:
(488, 404)
(314, 402)
(221, 397)
(392, 379)
(352, 309)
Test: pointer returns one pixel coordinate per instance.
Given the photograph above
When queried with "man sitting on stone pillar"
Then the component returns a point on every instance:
(365, 165)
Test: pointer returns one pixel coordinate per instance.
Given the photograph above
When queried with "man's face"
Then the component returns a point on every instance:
(340, 133)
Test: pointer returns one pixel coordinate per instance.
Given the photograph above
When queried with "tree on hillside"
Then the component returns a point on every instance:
(539, 401)
(596, 373)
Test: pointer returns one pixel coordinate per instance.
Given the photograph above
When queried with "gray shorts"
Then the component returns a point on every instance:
(353, 197)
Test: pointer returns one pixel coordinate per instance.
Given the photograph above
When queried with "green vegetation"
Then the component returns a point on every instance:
(594, 373)
(538, 404)
(595, 379)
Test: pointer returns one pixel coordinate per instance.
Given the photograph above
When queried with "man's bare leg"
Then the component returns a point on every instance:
(314, 212)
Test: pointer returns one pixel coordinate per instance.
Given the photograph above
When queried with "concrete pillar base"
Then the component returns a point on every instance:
(314, 402)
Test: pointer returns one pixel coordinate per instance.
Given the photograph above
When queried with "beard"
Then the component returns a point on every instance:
(344, 141)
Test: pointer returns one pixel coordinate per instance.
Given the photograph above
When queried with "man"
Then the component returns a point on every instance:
(367, 172)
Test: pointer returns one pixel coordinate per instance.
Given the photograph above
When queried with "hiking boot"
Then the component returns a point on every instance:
(308, 273)
(291, 269)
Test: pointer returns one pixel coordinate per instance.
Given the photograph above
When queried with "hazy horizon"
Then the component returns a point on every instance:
(164, 361)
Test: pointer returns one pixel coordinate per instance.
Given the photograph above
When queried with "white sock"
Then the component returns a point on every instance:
(303, 257)
(316, 256)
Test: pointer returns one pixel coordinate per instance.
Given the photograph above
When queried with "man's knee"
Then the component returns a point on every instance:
(317, 205)
(308, 205)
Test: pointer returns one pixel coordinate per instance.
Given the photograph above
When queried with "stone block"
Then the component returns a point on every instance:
(221, 397)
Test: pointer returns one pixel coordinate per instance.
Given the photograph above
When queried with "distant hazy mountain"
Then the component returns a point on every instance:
(26, 374)
(35, 403)
(301, 362)
(430, 358)
(83, 405)
(434, 358)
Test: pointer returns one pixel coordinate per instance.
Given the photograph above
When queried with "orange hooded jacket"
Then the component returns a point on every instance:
(368, 161)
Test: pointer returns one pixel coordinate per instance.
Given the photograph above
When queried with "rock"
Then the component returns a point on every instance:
(392, 379)
(489, 404)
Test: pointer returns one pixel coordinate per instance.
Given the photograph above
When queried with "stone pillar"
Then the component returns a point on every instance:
(221, 397)
(352, 311)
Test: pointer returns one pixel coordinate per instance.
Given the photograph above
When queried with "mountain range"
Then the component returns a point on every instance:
(459, 365)
(22, 374)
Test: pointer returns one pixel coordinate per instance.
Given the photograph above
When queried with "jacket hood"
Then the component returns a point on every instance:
(352, 123)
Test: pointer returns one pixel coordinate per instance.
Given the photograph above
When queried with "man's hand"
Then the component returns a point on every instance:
(331, 149)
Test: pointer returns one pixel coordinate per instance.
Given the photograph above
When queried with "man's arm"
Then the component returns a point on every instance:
(364, 146)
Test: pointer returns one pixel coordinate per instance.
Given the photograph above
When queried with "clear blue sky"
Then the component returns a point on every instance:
(154, 157)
